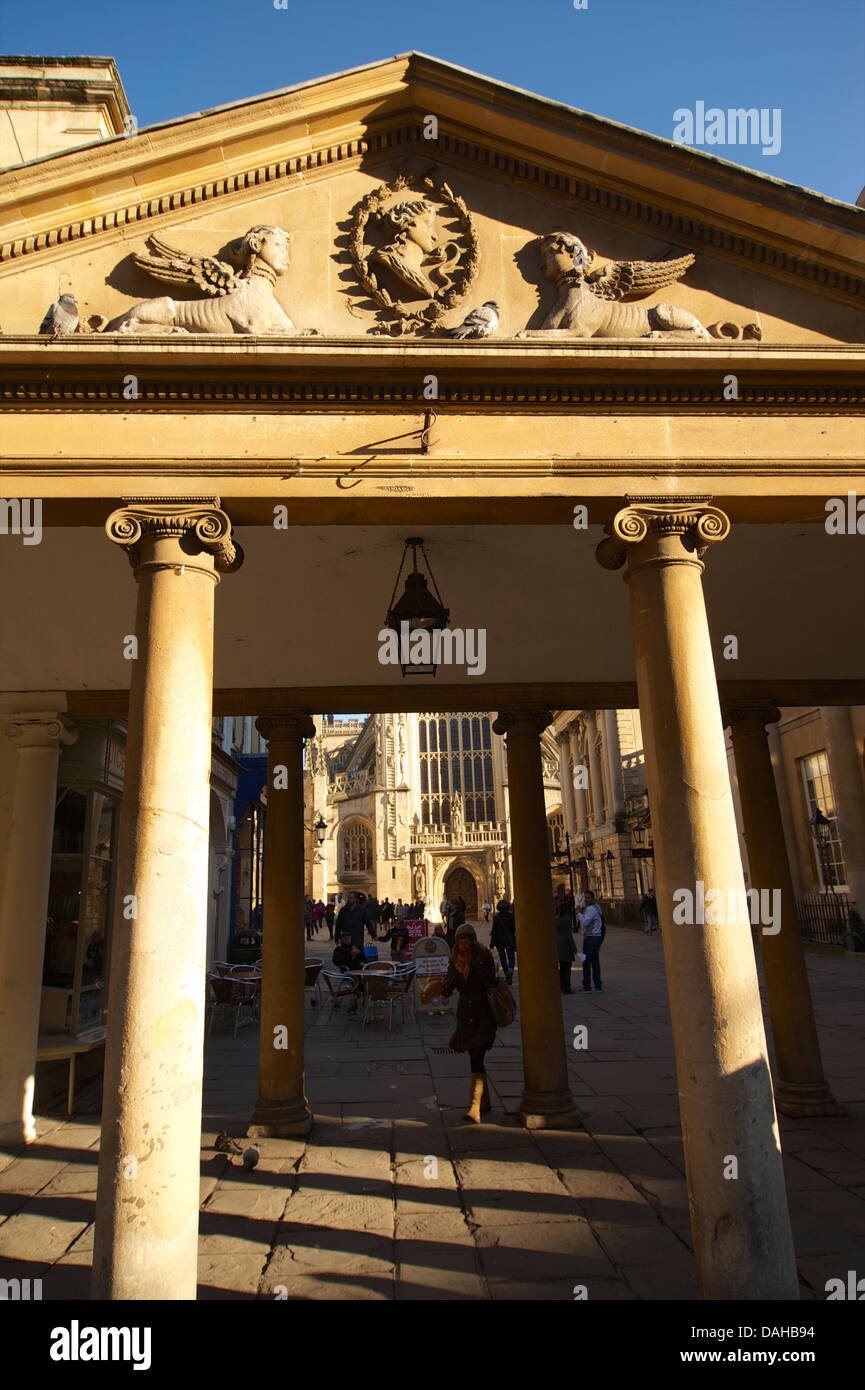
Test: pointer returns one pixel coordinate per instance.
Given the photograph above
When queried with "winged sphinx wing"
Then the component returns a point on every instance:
(206, 273)
(621, 279)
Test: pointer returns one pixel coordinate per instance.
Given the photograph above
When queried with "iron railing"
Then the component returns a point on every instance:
(824, 917)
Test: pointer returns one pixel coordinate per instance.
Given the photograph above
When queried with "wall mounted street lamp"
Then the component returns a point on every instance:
(417, 610)
(320, 828)
(639, 834)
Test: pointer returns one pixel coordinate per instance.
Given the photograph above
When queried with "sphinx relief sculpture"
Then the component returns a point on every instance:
(239, 301)
(590, 301)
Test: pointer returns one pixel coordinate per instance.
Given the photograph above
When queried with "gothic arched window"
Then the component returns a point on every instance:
(357, 848)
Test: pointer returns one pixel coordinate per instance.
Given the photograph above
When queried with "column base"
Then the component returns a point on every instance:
(17, 1132)
(802, 1101)
(549, 1110)
(280, 1119)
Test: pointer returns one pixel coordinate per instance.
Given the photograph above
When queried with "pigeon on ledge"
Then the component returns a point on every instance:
(62, 318)
(480, 323)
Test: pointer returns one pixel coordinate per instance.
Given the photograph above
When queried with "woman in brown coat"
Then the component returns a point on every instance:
(472, 972)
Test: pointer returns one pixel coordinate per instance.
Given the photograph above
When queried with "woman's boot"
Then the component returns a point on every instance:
(474, 1111)
(486, 1104)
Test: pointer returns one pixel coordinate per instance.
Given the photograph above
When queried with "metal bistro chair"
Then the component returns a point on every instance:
(381, 987)
(405, 977)
(226, 992)
(340, 987)
(312, 969)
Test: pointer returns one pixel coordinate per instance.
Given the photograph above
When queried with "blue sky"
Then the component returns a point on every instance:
(635, 61)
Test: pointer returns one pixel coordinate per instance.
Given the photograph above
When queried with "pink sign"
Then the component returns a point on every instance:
(416, 928)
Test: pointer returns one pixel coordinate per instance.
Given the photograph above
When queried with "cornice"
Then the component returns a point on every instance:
(488, 161)
(107, 393)
(378, 374)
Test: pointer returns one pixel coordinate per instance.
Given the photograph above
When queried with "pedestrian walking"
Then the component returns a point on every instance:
(503, 938)
(399, 939)
(565, 944)
(352, 919)
(372, 910)
(649, 909)
(472, 972)
(488, 907)
(329, 914)
(307, 917)
(592, 923)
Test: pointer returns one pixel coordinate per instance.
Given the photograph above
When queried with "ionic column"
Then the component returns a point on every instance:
(800, 1086)
(567, 781)
(148, 1192)
(782, 789)
(282, 1107)
(846, 777)
(23, 908)
(547, 1101)
(739, 1218)
(614, 764)
(596, 781)
(580, 810)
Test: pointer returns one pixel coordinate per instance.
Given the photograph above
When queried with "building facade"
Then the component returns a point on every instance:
(230, 471)
(416, 806)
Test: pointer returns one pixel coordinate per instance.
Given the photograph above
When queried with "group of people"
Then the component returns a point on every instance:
(585, 912)
(373, 912)
(314, 913)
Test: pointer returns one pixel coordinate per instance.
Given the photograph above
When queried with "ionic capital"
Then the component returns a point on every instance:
(34, 730)
(750, 718)
(198, 524)
(285, 728)
(693, 520)
(523, 721)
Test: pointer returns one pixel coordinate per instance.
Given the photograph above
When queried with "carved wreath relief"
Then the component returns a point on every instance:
(414, 249)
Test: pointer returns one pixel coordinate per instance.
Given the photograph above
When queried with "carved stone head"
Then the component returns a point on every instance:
(413, 220)
(266, 246)
(561, 252)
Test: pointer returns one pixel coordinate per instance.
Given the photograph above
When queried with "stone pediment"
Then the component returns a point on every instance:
(413, 194)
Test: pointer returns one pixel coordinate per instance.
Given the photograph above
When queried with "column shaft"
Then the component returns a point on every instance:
(596, 780)
(740, 1222)
(282, 1107)
(581, 812)
(567, 781)
(547, 1101)
(23, 909)
(148, 1191)
(800, 1086)
(614, 764)
(846, 778)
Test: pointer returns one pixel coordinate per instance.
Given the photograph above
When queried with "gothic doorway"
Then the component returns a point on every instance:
(460, 883)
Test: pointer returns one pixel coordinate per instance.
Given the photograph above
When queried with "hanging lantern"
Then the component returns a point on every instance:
(417, 616)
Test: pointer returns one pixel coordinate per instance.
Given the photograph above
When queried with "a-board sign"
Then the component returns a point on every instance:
(416, 928)
(431, 958)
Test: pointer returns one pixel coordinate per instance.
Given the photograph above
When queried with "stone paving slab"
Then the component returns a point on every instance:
(395, 1196)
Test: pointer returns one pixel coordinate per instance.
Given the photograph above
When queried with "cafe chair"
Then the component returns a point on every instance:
(312, 969)
(340, 987)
